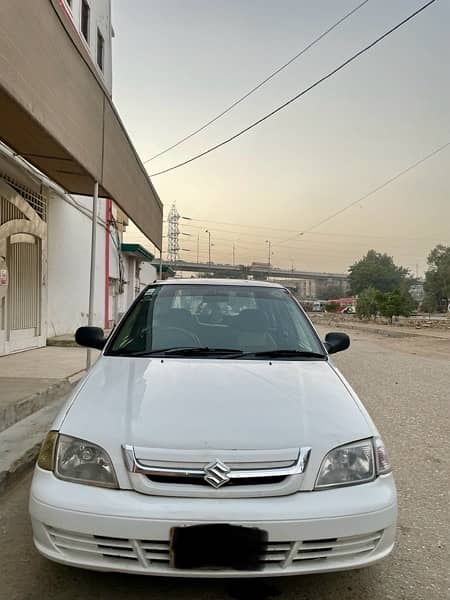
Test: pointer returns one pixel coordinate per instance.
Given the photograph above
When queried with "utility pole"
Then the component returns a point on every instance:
(234, 254)
(92, 273)
(209, 246)
(173, 235)
(198, 247)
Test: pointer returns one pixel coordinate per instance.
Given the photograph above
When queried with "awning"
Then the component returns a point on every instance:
(137, 251)
(56, 113)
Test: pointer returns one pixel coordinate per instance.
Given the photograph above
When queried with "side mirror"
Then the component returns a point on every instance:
(91, 337)
(336, 342)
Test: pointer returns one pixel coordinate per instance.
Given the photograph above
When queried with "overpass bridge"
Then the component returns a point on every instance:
(257, 271)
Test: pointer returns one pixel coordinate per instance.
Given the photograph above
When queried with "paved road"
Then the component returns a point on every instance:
(406, 386)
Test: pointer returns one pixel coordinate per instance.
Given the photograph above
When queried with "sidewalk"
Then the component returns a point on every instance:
(33, 385)
(26, 378)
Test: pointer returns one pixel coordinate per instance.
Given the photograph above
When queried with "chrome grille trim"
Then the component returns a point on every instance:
(134, 466)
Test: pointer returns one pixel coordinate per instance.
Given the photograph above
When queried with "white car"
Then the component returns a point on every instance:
(209, 447)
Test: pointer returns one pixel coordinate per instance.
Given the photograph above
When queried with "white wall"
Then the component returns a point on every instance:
(148, 274)
(100, 17)
(69, 246)
(69, 255)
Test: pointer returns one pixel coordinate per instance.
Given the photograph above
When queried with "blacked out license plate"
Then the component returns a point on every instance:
(221, 546)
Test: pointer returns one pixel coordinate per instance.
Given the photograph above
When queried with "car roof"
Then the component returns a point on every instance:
(217, 282)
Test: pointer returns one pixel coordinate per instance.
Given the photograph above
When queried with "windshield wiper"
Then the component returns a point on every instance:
(186, 351)
(281, 353)
(201, 351)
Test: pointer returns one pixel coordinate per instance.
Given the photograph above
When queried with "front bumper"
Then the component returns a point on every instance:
(121, 530)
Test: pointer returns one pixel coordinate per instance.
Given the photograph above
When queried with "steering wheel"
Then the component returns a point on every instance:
(192, 339)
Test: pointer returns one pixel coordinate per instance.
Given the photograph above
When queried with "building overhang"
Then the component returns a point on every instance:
(137, 251)
(57, 114)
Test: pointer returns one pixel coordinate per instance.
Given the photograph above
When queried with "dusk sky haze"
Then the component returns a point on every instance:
(178, 63)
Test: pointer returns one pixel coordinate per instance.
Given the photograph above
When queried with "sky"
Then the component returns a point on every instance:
(178, 63)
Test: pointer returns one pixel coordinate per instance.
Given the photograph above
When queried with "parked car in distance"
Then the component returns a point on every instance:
(349, 310)
(318, 306)
(214, 444)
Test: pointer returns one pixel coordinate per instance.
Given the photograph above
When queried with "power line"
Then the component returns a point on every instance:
(261, 234)
(234, 224)
(373, 191)
(299, 95)
(259, 85)
(249, 247)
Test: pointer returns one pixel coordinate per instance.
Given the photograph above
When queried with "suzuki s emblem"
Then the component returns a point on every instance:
(216, 474)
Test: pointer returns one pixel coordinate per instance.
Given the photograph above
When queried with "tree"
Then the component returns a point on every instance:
(367, 304)
(395, 303)
(437, 278)
(377, 271)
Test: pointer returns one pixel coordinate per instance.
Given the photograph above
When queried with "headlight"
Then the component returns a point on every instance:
(347, 465)
(83, 462)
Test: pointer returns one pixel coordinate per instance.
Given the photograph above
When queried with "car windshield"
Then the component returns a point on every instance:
(216, 320)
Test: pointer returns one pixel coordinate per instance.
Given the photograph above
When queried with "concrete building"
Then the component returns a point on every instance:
(138, 272)
(303, 289)
(45, 232)
(23, 260)
(45, 240)
(417, 291)
(92, 21)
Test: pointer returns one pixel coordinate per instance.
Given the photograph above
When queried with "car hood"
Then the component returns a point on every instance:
(201, 404)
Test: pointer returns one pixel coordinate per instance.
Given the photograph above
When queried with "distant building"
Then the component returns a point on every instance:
(303, 289)
(417, 291)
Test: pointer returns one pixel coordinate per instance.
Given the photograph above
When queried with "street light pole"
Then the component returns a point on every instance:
(209, 246)
(270, 252)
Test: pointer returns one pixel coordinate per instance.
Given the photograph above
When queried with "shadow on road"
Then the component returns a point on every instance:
(65, 582)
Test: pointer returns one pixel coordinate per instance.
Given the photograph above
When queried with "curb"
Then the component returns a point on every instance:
(26, 406)
(62, 343)
(21, 442)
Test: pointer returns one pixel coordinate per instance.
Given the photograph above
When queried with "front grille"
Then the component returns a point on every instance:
(201, 481)
(216, 473)
(150, 555)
